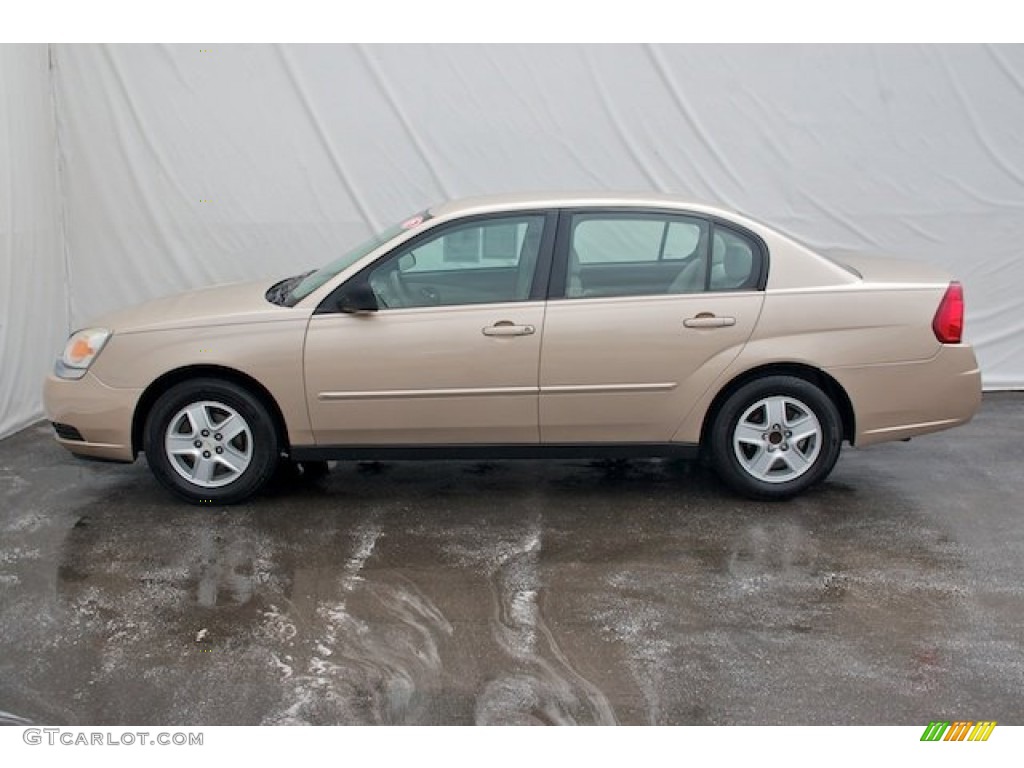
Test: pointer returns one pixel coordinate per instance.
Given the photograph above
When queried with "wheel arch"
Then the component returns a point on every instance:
(832, 388)
(171, 378)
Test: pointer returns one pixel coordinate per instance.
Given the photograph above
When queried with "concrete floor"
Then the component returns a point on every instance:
(516, 592)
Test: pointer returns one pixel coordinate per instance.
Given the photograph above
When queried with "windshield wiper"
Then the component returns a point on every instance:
(278, 292)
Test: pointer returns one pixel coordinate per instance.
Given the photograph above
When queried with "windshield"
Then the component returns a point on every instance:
(315, 279)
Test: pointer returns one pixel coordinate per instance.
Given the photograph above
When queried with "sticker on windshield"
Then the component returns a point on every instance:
(415, 221)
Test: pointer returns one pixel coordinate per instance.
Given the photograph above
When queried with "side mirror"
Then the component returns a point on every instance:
(358, 299)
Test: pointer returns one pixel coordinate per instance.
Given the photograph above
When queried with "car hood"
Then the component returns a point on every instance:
(218, 305)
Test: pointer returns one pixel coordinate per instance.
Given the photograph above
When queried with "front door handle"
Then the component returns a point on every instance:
(508, 328)
(708, 320)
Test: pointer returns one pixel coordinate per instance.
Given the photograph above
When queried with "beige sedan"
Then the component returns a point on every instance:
(584, 325)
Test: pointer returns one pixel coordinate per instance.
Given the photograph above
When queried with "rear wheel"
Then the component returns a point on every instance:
(210, 441)
(775, 437)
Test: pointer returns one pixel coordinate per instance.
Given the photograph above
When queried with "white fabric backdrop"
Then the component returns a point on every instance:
(183, 166)
(33, 306)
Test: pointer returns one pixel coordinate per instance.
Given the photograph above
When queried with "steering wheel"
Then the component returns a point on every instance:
(406, 298)
(382, 291)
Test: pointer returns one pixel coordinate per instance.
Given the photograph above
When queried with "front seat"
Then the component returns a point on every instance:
(691, 279)
(528, 254)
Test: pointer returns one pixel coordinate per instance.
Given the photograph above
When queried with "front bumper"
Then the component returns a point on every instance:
(102, 415)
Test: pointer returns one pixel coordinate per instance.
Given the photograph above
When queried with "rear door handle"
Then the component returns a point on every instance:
(508, 328)
(708, 320)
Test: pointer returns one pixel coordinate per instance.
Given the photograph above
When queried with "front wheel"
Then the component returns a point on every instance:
(210, 441)
(775, 437)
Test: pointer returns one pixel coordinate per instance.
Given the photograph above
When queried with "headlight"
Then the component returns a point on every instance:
(80, 351)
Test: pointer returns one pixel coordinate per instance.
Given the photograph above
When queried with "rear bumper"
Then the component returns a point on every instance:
(102, 415)
(901, 400)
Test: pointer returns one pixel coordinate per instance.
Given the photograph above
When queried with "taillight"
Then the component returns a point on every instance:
(949, 317)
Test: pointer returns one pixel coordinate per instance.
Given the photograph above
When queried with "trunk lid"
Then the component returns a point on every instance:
(874, 268)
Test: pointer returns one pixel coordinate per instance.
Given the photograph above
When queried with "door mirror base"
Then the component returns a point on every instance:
(357, 300)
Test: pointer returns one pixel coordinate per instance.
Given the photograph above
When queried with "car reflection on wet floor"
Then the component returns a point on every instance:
(518, 592)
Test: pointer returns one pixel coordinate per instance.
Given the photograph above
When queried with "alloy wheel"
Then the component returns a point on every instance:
(777, 439)
(209, 444)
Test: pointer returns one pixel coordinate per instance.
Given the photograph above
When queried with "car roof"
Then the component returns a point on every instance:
(580, 199)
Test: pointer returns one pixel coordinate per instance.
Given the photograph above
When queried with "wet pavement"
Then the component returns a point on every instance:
(521, 592)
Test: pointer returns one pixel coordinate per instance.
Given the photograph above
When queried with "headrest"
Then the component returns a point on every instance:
(737, 262)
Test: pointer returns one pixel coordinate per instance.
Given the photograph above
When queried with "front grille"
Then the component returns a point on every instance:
(67, 432)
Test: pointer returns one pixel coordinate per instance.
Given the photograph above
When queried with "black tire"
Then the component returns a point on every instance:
(773, 468)
(259, 443)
